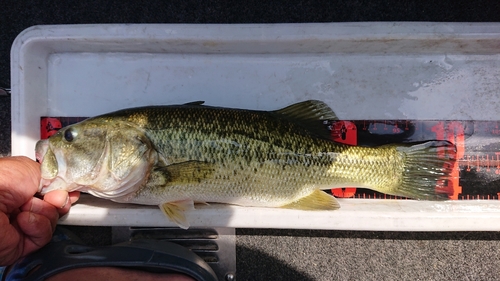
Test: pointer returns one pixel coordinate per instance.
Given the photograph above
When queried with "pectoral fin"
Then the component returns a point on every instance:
(188, 172)
(317, 200)
(175, 211)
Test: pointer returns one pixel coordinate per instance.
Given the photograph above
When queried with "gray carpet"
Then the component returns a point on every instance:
(289, 254)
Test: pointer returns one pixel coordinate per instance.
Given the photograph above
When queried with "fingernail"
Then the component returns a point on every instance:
(65, 203)
(31, 218)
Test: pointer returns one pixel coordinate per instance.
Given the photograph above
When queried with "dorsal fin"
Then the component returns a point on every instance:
(309, 110)
(200, 102)
(309, 115)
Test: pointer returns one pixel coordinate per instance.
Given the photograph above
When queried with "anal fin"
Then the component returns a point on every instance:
(317, 200)
(175, 211)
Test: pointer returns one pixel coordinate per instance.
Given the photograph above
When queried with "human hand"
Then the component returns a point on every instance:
(26, 222)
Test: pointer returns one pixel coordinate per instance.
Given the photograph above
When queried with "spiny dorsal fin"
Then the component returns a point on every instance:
(309, 115)
(200, 102)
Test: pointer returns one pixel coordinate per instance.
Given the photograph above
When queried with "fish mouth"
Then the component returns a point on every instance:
(52, 181)
(47, 184)
(44, 186)
(58, 183)
(41, 149)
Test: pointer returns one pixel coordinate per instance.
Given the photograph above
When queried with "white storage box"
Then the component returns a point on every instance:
(426, 71)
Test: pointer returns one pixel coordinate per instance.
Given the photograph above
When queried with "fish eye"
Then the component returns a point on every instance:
(69, 135)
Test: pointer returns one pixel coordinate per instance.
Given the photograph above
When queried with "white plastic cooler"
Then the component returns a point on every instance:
(426, 71)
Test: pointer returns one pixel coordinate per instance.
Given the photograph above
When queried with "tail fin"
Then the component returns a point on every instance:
(428, 167)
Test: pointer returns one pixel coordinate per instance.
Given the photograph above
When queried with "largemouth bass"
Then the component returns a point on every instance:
(178, 155)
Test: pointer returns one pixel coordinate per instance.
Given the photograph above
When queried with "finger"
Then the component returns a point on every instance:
(74, 196)
(37, 230)
(62, 200)
(19, 180)
(42, 208)
(22, 172)
(10, 249)
(58, 198)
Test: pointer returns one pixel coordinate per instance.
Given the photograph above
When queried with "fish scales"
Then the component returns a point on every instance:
(259, 155)
(173, 156)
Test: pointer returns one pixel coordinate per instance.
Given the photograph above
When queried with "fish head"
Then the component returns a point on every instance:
(106, 158)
